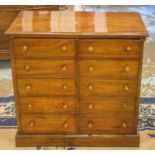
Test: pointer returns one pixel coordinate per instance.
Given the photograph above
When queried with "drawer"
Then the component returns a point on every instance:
(121, 105)
(48, 124)
(105, 88)
(46, 87)
(109, 47)
(45, 67)
(108, 124)
(114, 68)
(40, 48)
(47, 104)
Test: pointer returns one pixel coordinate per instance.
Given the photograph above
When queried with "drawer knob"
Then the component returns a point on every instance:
(65, 87)
(90, 106)
(29, 106)
(25, 48)
(128, 48)
(91, 68)
(90, 87)
(31, 123)
(64, 68)
(27, 67)
(66, 125)
(124, 124)
(90, 49)
(65, 106)
(90, 124)
(126, 88)
(64, 48)
(28, 86)
(124, 104)
(126, 68)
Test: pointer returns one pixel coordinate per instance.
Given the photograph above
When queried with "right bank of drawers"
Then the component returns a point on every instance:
(108, 71)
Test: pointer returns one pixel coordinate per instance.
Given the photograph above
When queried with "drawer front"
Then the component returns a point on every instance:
(109, 47)
(107, 88)
(46, 87)
(122, 105)
(107, 124)
(47, 104)
(48, 124)
(43, 47)
(119, 68)
(45, 67)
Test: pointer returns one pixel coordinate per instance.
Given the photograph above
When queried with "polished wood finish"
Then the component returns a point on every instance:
(7, 15)
(77, 84)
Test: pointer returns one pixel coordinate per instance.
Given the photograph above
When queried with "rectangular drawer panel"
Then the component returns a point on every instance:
(47, 104)
(108, 105)
(48, 124)
(118, 68)
(46, 87)
(109, 47)
(99, 87)
(40, 48)
(45, 67)
(107, 124)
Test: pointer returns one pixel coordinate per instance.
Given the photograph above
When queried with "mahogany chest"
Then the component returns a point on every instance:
(77, 77)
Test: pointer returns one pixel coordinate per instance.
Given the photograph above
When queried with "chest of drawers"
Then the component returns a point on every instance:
(77, 77)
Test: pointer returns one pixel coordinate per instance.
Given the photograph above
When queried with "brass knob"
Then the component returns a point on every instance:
(128, 48)
(91, 68)
(124, 104)
(64, 48)
(25, 48)
(90, 49)
(90, 106)
(31, 123)
(126, 68)
(28, 86)
(126, 88)
(90, 124)
(65, 87)
(64, 68)
(27, 67)
(90, 87)
(65, 124)
(124, 124)
(65, 106)
(29, 106)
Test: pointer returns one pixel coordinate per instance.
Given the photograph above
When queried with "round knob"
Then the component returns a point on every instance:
(90, 48)
(65, 106)
(90, 87)
(31, 124)
(128, 48)
(124, 104)
(126, 87)
(27, 67)
(64, 68)
(65, 87)
(90, 106)
(29, 106)
(65, 125)
(64, 48)
(126, 68)
(90, 124)
(91, 68)
(28, 86)
(124, 124)
(25, 48)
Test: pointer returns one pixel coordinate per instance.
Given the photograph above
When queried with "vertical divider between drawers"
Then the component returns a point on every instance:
(77, 84)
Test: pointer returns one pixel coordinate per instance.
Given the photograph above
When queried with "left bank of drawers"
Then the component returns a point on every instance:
(37, 63)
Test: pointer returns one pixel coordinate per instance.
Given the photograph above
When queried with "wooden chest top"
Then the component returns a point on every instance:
(79, 24)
